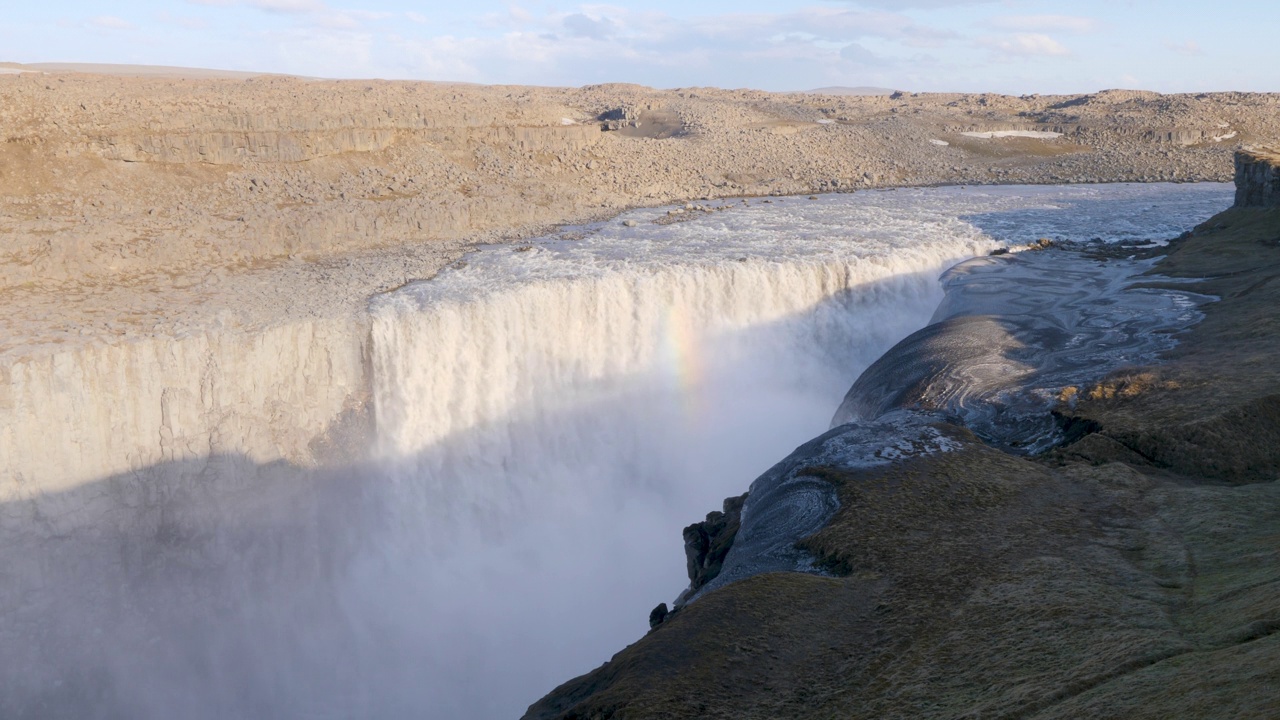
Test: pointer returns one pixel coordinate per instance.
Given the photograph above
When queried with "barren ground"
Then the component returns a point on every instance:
(171, 201)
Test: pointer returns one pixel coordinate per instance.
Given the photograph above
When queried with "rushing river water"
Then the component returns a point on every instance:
(549, 416)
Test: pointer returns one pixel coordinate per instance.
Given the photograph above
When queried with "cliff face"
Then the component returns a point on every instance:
(75, 416)
(1257, 177)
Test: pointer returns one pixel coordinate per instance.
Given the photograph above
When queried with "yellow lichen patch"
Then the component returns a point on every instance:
(1125, 387)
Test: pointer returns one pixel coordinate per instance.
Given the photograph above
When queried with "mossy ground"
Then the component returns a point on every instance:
(1132, 574)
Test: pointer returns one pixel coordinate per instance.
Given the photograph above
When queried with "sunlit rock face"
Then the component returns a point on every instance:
(1258, 177)
(444, 508)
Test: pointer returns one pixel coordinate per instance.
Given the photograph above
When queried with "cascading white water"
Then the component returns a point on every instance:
(568, 429)
(548, 419)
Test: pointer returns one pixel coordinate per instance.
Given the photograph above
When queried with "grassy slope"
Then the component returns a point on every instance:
(1133, 574)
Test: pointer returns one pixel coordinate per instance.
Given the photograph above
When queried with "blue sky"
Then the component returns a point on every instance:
(1011, 46)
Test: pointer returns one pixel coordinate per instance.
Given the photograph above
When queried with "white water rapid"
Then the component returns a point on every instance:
(548, 417)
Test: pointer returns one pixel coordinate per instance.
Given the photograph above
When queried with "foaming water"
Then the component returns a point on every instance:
(579, 422)
(548, 418)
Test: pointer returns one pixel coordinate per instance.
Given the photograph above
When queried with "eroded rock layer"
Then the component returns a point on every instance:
(1257, 178)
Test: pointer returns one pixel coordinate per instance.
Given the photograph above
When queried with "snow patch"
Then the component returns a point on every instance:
(1228, 136)
(941, 143)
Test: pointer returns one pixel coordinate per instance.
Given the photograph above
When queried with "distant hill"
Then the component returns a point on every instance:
(840, 90)
(127, 70)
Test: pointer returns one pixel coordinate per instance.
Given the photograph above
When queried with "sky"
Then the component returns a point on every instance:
(1008, 46)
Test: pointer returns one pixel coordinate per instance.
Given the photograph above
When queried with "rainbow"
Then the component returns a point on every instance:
(682, 351)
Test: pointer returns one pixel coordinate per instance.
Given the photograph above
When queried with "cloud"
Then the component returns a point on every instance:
(287, 7)
(1189, 47)
(912, 4)
(783, 49)
(1046, 23)
(579, 25)
(591, 43)
(311, 13)
(189, 23)
(824, 24)
(855, 53)
(110, 22)
(1026, 44)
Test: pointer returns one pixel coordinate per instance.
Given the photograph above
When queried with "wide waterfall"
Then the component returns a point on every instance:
(547, 417)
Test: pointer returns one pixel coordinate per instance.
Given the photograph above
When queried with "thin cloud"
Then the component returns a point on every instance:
(1026, 44)
(1046, 23)
(110, 22)
(583, 26)
(286, 7)
(190, 23)
(1189, 48)
(859, 55)
(912, 4)
(826, 24)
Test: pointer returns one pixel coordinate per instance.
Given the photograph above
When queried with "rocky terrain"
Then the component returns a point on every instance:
(1129, 572)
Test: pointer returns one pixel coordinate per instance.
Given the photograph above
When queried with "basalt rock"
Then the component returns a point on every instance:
(658, 614)
(707, 543)
(1257, 177)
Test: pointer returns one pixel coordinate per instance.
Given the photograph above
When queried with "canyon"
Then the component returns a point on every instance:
(224, 378)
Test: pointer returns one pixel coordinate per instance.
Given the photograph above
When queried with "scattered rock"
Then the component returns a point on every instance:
(707, 543)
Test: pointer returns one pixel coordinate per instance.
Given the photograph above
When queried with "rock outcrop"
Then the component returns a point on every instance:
(1258, 177)
(707, 543)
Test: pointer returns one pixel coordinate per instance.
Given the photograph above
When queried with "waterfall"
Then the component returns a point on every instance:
(557, 435)
(547, 418)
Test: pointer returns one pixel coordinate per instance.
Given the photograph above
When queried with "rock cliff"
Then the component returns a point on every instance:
(1257, 177)
(78, 415)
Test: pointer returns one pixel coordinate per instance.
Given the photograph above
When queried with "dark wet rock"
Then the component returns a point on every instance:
(707, 543)
(1017, 334)
(657, 615)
